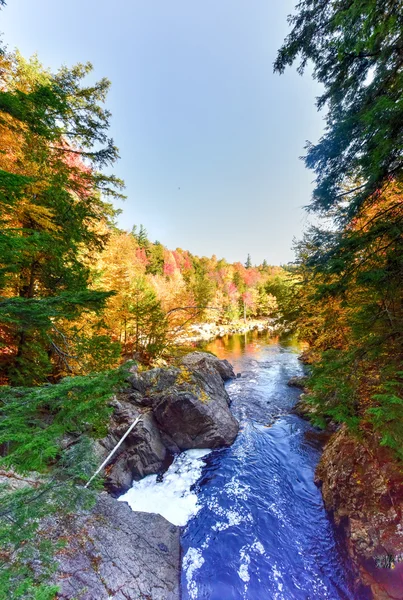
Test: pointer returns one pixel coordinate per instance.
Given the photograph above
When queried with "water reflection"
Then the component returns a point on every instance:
(253, 343)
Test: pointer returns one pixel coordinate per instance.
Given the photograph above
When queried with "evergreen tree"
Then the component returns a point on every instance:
(155, 257)
(349, 306)
(356, 50)
(50, 208)
(248, 263)
(201, 285)
(239, 282)
(141, 236)
(146, 324)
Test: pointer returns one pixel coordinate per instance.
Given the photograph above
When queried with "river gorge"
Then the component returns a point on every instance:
(254, 523)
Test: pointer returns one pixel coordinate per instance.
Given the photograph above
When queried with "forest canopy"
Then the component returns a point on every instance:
(349, 305)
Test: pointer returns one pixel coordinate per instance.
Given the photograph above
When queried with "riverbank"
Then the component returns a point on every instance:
(362, 487)
(207, 332)
(114, 552)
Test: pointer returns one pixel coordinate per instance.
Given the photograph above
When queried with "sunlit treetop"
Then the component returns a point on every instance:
(356, 47)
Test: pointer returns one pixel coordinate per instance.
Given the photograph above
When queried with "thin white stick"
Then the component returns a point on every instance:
(114, 450)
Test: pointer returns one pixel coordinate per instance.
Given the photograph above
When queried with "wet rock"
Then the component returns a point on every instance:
(115, 553)
(191, 407)
(298, 382)
(362, 486)
(142, 453)
(169, 443)
(190, 403)
(206, 362)
(317, 438)
(303, 408)
(195, 416)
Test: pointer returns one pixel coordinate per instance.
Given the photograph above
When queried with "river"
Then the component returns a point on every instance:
(254, 523)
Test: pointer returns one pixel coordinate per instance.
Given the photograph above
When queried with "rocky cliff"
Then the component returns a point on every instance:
(111, 551)
(362, 487)
(181, 407)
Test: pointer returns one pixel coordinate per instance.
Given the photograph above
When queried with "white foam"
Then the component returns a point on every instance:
(245, 560)
(243, 571)
(277, 575)
(237, 489)
(171, 497)
(229, 517)
(258, 547)
(233, 518)
(192, 561)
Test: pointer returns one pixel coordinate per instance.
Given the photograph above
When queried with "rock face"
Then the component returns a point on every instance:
(115, 553)
(189, 402)
(142, 453)
(193, 410)
(362, 486)
(181, 407)
(298, 382)
(203, 361)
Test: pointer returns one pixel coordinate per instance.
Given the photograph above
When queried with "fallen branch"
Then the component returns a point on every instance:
(113, 451)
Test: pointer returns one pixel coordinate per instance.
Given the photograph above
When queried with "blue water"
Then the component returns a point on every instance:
(262, 532)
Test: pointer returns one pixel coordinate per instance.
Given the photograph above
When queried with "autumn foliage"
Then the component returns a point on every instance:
(179, 287)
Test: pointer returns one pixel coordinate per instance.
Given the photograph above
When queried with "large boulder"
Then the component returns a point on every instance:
(190, 406)
(142, 453)
(114, 553)
(206, 362)
(181, 407)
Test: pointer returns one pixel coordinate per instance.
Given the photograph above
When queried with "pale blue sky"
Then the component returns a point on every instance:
(195, 106)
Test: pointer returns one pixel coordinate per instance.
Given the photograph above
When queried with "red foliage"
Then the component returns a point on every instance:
(142, 256)
(187, 263)
(169, 269)
(232, 290)
(247, 298)
(251, 277)
(169, 263)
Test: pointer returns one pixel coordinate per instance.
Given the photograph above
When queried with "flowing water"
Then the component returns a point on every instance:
(256, 527)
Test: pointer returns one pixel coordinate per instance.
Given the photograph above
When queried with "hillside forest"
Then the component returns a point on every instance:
(79, 296)
(77, 292)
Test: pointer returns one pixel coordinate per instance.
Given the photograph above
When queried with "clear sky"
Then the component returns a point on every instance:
(209, 137)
